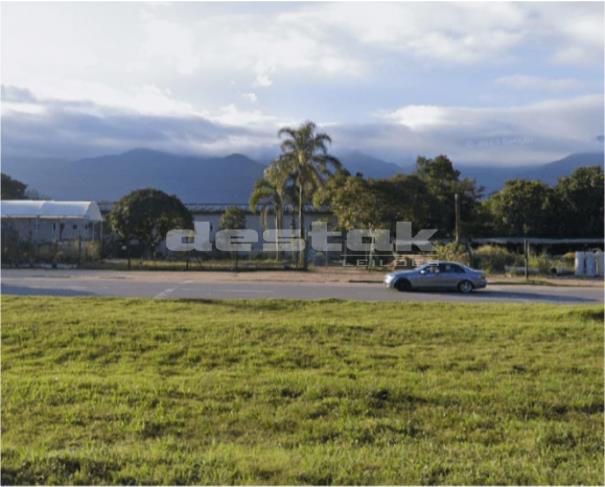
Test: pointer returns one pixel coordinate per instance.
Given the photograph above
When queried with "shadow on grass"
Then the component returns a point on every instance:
(38, 291)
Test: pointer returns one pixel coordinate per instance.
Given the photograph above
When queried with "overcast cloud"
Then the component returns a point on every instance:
(501, 83)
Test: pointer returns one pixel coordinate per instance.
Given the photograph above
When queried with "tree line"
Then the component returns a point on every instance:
(306, 174)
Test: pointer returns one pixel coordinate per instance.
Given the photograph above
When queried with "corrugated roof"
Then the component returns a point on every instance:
(106, 207)
(86, 210)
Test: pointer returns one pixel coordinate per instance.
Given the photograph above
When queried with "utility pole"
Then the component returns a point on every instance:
(457, 213)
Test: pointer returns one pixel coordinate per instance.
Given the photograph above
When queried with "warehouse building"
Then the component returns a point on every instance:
(50, 230)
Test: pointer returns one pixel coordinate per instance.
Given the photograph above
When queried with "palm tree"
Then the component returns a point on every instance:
(269, 194)
(305, 155)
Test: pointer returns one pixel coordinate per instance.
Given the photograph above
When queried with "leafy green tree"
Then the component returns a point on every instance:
(12, 189)
(352, 201)
(305, 157)
(443, 183)
(580, 203)
(376, 203)
(270, 195)
(401, 198)
(233, 218)
(523, 208)
(147, 215)
(439, 169)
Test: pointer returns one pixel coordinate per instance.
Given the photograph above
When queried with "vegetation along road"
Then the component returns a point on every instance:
(161, 285)
(136, 391)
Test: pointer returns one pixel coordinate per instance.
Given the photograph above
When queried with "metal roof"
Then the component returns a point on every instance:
(84, 210)
(217, 208)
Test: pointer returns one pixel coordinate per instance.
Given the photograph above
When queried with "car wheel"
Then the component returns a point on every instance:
(403, 285)
(465, 287)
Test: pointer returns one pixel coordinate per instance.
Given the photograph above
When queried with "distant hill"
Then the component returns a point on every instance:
(193, 179)
(370, 166)
(492, 178)
(198, 179)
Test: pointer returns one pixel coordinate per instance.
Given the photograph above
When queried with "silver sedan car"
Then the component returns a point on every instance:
(437, 275)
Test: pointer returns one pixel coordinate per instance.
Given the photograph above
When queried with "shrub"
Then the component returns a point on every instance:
(494, 259)
(452, 251)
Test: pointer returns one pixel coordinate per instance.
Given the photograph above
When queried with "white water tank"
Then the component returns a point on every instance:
(580, 263)
(590, 264)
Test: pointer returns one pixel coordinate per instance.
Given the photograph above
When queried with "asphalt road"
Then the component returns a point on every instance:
(174, 285)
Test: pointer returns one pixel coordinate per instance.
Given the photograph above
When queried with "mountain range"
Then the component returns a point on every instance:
(198, 179)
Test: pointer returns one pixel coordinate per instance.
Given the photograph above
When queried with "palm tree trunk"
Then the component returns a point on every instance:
(344, 240)
(302, 256)
(276, 234)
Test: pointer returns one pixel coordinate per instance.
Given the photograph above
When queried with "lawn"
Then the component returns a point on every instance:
(126, 391)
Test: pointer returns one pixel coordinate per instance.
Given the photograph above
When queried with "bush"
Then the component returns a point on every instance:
(543, 263)
(569, 260)
(452, 251)
(494, 259)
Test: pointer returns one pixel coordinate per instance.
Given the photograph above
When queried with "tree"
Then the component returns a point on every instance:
(12, 189)
(580, 203)
(147, 215)
(233, 218)
(305, 157)
(375, 203)
(523, 208)
(269, 194)
(443, 183)
(353, 202)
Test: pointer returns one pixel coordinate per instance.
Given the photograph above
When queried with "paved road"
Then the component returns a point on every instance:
(173, 285)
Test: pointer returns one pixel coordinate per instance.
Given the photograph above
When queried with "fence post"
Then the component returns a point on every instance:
(526, 255)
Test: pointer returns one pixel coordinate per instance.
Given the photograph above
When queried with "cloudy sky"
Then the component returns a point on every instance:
(499, 83)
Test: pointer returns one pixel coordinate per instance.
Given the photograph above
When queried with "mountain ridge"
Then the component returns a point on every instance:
(227, 179)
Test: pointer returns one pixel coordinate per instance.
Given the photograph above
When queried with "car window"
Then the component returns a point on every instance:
(451, 268)
(432, 269)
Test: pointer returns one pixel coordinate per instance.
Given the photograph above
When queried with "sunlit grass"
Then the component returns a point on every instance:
(315, 392)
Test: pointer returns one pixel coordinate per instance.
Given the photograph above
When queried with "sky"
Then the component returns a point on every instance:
(484, 83)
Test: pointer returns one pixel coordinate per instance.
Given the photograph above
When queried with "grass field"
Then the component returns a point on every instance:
(137, 391)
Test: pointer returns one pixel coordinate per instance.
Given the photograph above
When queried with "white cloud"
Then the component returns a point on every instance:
(209, 62)
(251, 97)
(263, 80)
(537, 132)
(525, 82)
(23, 108)
(519, 134)
(452, 32)
(418, 116)
(232, 115)
(126, 46)
(169, 43)
(576, 33)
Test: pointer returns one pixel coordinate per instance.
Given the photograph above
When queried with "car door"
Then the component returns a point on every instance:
(458, 274)
(428, 277)
(447, 276)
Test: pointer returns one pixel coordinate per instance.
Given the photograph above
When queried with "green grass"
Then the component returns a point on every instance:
(126, 391)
